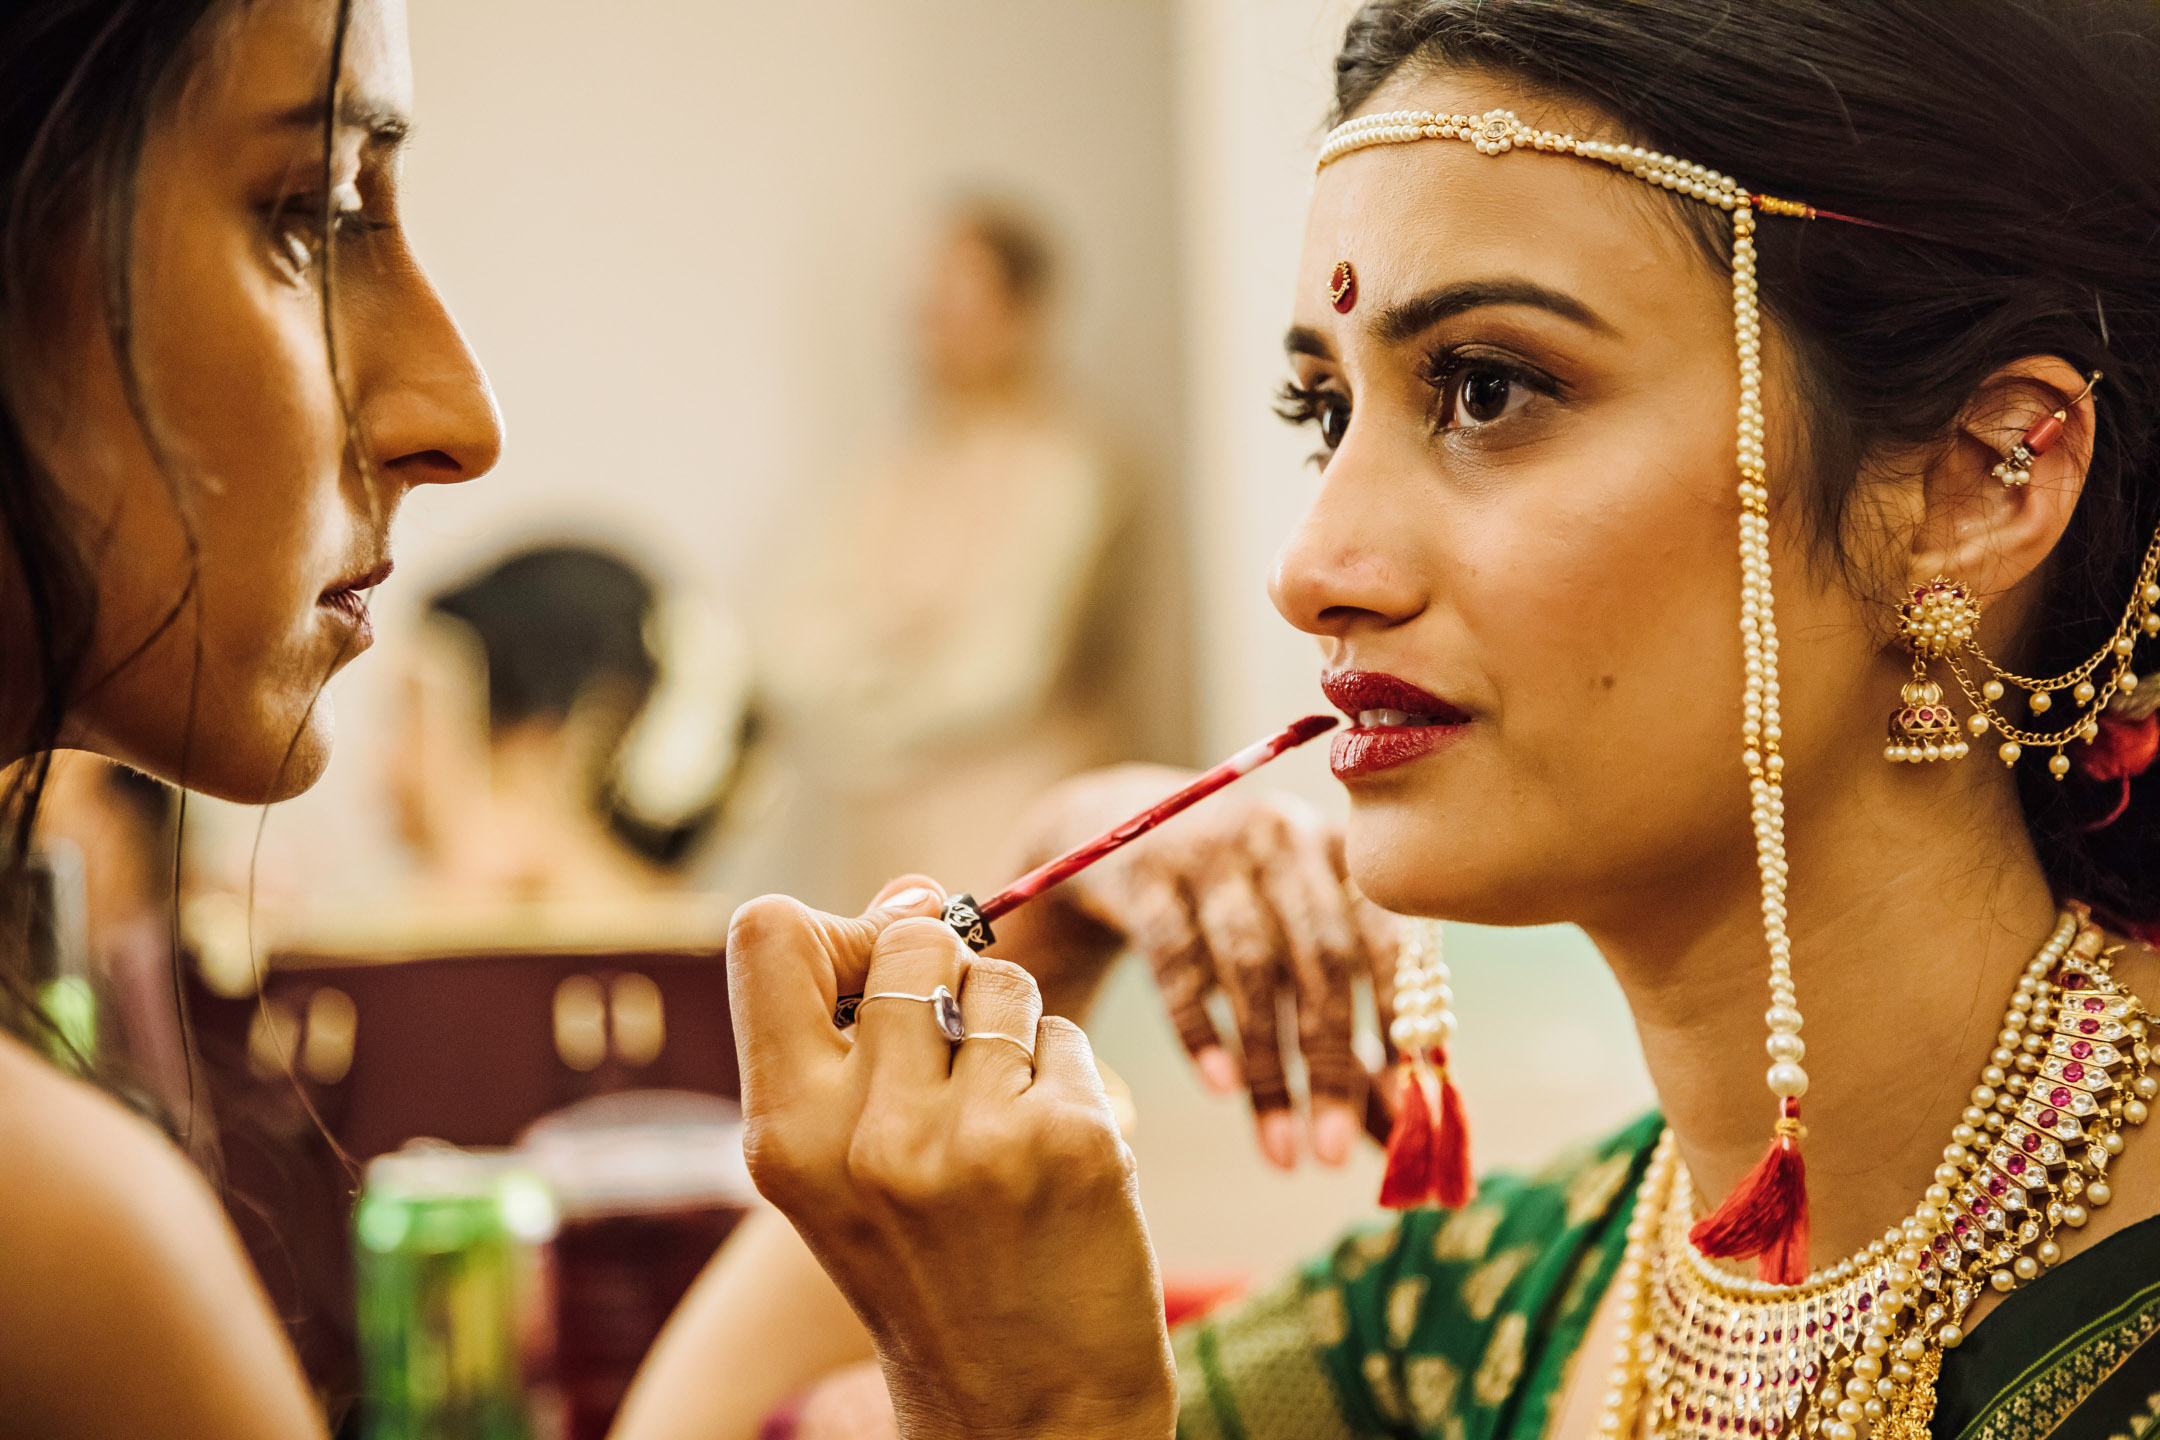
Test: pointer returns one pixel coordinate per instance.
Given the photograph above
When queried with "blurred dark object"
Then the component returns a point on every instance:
(360, 1050)
(648, 1184)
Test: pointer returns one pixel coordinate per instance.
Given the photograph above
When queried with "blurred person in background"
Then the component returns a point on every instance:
(941, 657)
(567, 732)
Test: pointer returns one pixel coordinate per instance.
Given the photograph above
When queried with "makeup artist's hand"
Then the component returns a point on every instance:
(1246, 894)
(975, 1204)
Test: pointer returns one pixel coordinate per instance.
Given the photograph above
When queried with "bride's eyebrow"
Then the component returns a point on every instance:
(1407, 319)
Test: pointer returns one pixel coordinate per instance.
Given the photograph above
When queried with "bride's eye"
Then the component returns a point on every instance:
(1326, 410)
(1476, 391)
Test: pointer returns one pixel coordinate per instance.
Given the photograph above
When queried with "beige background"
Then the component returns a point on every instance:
(681, 232)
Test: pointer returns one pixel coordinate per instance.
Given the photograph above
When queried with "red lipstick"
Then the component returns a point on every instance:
(1392, 722)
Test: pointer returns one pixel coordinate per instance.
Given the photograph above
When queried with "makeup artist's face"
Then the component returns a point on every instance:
(234, 535)
(1526, 515)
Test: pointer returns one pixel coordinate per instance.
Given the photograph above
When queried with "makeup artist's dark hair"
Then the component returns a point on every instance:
(561, 625)
(1019, 242)
(2021, 136)
(80, 84)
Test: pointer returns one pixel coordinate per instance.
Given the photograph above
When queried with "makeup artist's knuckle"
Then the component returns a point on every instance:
(767, 922)
(789, 1161)
(1000, 982)
(892, 1165)
(992, 1156)
(1078, 1152)
(920, 939)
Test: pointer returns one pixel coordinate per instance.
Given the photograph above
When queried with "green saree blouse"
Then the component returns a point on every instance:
(1466, 1326)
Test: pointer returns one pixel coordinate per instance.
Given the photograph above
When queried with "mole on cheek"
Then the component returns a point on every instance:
(1605, 682)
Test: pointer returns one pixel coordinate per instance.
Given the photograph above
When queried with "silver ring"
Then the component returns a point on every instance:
(1025, 1048)
(941, 1003)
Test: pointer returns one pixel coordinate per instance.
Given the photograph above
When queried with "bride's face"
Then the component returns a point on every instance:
(1526, 515)
(232, 523)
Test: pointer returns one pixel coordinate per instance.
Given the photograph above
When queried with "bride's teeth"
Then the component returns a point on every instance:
(1382, 719)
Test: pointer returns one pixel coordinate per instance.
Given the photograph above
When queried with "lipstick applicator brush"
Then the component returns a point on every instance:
(971, 921)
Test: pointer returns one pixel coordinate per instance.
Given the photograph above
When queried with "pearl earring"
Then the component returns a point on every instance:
(1428, 1151)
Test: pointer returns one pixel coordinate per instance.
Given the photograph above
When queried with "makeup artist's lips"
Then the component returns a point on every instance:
(348, 599)
(1392, 722)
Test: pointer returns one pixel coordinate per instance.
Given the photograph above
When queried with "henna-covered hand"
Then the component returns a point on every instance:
(1245, 894)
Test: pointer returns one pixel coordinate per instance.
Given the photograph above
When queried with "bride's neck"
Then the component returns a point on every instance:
(1915, 902)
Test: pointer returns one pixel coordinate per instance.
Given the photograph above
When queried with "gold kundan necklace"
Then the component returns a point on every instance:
(1708, 1354)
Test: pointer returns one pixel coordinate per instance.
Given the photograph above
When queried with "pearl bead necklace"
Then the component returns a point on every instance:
(1708, 1355)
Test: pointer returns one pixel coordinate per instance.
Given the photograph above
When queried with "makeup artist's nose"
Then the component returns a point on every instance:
(1345, 568)
(426, 410)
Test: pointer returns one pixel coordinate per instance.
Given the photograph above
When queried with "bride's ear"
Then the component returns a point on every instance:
(1969, 524)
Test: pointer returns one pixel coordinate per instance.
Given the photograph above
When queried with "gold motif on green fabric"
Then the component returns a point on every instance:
(1468, 1233)
(1327, 1315)
(1433, 1382)
(1366, 1249)
(1403, 1304)
(1578, 1297)
(1259, 1375)
(1380, 1384)
(1482, 1292)
(1502, 1365)
(1589, 1193)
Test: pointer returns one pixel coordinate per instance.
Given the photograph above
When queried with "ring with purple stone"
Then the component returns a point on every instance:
(940, 1000)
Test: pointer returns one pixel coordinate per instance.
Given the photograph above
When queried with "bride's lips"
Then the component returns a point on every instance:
(1392, 722)
(348, 599)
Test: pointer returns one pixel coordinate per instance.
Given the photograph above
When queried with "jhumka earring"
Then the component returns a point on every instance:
(1937, 621)
(1428, 1150)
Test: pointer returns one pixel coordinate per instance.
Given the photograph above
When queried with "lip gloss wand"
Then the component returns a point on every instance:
(971, 921)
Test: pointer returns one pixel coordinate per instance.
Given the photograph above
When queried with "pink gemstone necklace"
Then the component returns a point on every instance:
(1708, 1354)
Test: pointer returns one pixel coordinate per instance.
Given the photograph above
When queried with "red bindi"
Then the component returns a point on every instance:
(1342, 287)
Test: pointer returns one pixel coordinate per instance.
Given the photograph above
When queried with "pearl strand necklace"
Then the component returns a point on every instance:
(1713, 1355)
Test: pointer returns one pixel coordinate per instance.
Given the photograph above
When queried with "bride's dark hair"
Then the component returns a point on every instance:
(2022, 137)
(81, 82)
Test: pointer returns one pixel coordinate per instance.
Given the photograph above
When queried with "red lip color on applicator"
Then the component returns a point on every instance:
(972, 921)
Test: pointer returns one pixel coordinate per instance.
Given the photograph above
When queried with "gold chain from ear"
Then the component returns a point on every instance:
(2140, 616)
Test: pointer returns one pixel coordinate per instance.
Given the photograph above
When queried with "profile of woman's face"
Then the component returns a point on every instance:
(1526, 513)
(235, 525)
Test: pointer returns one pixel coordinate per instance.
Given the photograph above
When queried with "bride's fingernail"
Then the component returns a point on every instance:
(1333, 1130)
(1278, 1140)
(907, 899)
(1217, 1070)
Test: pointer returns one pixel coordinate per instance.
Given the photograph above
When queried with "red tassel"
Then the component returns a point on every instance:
(1408, 1179)
(1766, 1215)
(1454, 1184)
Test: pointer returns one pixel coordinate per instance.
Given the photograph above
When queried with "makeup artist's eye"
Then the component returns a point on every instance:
(1316, 405)
(296, 226)
(1479, 390)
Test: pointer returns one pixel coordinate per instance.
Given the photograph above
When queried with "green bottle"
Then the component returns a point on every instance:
(450, 1289)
